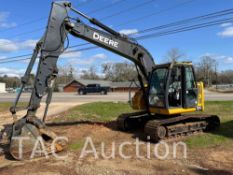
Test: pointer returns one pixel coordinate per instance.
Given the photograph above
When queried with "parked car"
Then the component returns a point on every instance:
(93, 88)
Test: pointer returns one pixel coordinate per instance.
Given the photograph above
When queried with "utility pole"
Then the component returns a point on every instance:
(216, 74)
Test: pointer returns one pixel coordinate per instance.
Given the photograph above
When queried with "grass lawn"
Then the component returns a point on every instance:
(98, 111)
(5, 106)
(222, 136)
(107, 111)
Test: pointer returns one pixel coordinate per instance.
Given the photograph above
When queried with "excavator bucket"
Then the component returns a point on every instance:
(33, 139)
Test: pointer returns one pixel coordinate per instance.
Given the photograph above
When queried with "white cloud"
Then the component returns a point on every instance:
(3, 20)
(229, 60)
(71, 54)
(7, 25)
(28, 44)
(88, 61)
(221, 58)
(225, 59)
(226, 25)
(227, 30)
(100, 56)
(10, 45)
(11, 72)
(129, 31)
(4, 16)
(2, 57)
(7, 45)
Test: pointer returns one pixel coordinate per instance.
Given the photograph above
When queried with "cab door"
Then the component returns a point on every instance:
(190, 90)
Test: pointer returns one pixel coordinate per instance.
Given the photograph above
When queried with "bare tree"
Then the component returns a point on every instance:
(119, 71)
(90, 74)
(206, 70)
(66, 74)
(11, 82)
(107, 69)
(174, 54)
(225, 77)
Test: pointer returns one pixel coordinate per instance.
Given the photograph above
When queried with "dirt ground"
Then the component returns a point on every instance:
(214, 160)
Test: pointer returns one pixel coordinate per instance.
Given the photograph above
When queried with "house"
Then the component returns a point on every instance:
(2, 87)
(125, 86)
(74, 85)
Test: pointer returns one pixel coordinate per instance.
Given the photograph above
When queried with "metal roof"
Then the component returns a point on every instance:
(101, 82)
(124, 84)
(86, 82)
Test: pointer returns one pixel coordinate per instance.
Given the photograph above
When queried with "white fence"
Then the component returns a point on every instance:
(224, 86)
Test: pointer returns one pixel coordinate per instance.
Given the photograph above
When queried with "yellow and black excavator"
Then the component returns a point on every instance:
(167, 92)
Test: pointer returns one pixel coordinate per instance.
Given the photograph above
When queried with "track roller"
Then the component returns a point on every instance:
(155, 130)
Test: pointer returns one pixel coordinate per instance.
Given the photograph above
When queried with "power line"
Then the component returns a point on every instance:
(153, 35)
(37, 20)
(40, 29)
(191, 20)
(27, 55)
(127, 10)
(155, 13)
(8, 58)
(14, 60)
(29, 32)
(106, 6)
(173, 24)
(85, 3)
(161, 33)
(182, 22)
(72, 51)
(23, 24)
(169, 32)
(93, 11)
(184, 29)
(43, 18)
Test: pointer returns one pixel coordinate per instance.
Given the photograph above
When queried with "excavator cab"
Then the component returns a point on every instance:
(173, 89)
(172, 93)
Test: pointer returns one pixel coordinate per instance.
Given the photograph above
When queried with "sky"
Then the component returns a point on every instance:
(22, 24)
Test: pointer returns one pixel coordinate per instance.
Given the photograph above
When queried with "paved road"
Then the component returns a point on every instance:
(70, 97)
(74, 97)
(215, 96)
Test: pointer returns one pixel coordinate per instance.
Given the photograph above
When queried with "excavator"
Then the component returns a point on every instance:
(167, 91)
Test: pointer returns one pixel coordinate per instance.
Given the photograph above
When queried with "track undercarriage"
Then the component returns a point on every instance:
(165, 127)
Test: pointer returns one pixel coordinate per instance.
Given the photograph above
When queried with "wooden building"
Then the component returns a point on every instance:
(72, 86)
(124, 86)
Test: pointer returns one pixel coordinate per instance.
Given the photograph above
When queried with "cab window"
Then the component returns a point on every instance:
(175, 88)
(191, 91)
(157, 87)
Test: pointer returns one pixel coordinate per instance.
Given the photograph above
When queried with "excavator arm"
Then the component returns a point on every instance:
(49, 48)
